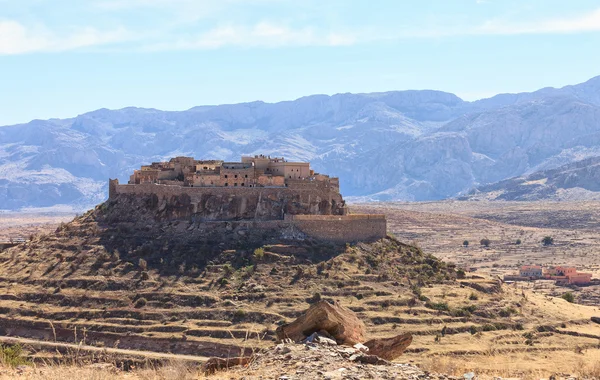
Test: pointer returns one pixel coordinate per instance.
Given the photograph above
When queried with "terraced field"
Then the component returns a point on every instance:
(67, 287)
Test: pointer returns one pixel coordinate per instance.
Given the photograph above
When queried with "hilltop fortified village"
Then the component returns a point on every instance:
(270, 193)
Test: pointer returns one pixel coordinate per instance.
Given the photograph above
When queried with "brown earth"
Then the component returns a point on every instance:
(134, 287)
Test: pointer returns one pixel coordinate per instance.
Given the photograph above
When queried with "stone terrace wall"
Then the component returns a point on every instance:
(338, 228)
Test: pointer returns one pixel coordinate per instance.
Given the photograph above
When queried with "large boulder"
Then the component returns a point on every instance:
(338, 321)
(389, 348)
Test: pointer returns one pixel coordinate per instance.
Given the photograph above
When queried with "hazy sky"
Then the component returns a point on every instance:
(60, 58)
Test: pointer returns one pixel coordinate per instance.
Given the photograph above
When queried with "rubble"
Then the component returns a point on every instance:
(311, 361)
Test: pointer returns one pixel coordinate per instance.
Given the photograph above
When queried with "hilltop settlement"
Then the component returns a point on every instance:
(269, 193)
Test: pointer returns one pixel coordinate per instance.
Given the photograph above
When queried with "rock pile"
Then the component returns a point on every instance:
(325, 342)
(313, 360)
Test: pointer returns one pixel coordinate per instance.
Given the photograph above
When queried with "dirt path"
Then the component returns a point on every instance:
(107, 350)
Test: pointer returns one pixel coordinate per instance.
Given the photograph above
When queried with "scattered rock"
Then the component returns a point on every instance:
(389, 348)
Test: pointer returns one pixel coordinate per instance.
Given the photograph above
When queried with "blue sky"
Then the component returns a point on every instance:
(60, 58)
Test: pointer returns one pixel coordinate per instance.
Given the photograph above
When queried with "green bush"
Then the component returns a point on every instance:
(259, 253)
(548, 240)
(485, 242)
(473, 297)
(518, 242)
(466, 243)
(12, 356)
(569, 297)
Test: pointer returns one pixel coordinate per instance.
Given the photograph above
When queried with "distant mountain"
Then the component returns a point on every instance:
(575, 181)
(401, 145)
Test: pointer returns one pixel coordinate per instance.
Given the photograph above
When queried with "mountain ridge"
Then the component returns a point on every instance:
(395, 145)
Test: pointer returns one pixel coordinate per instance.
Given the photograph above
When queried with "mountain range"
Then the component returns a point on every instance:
(399, 145)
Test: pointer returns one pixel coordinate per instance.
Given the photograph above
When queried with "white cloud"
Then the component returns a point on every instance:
(15, 38)
(260, 35)
(589, 22)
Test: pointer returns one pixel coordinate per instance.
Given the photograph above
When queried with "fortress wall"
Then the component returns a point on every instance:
(341, 228)
(261, 210)
(307, 195)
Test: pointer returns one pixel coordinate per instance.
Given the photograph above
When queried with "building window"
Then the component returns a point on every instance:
(226, 184)
(235, 184)
(242, 183)
(246, 176)
(235, 176)
(206, 167)
(225, 175)
(290, 177)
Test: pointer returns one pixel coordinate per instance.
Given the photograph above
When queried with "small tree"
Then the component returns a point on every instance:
(466, 243)
(569, 297)
(485, 242)
(548, 240)
(518, 242)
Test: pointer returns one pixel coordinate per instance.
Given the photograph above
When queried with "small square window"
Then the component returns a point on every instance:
(235, 184)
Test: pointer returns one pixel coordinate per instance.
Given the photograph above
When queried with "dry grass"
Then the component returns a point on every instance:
(525, 366)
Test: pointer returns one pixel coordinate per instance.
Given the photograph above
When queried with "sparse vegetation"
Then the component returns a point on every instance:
(569, 297)
(485, 242)
(465, 243)
(259, 253)
(12, 356)
(548, 240)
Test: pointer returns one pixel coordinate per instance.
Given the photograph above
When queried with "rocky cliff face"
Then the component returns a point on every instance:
(575, 181)
(219, 204)
(407, 145)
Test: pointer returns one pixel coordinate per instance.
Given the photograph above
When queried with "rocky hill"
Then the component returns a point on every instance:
(579, 180)
(402, 145)
(120, 281)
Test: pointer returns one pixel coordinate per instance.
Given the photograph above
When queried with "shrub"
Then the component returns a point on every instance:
(460, 273)
(440, 306)
(507, 312)
(473, 297)
(141, 302)
(239, 314)
(485, 242)
(518, 242)
(12, 356)
(548, 240)
(259, 253)
(466, 243)
(569, 297)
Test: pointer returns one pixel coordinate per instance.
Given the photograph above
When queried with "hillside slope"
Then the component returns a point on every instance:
(142, 285)
(579, 180)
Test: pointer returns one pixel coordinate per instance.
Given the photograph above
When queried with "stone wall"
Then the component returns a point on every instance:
(338, 228)
(232, 203)
(310, 211)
